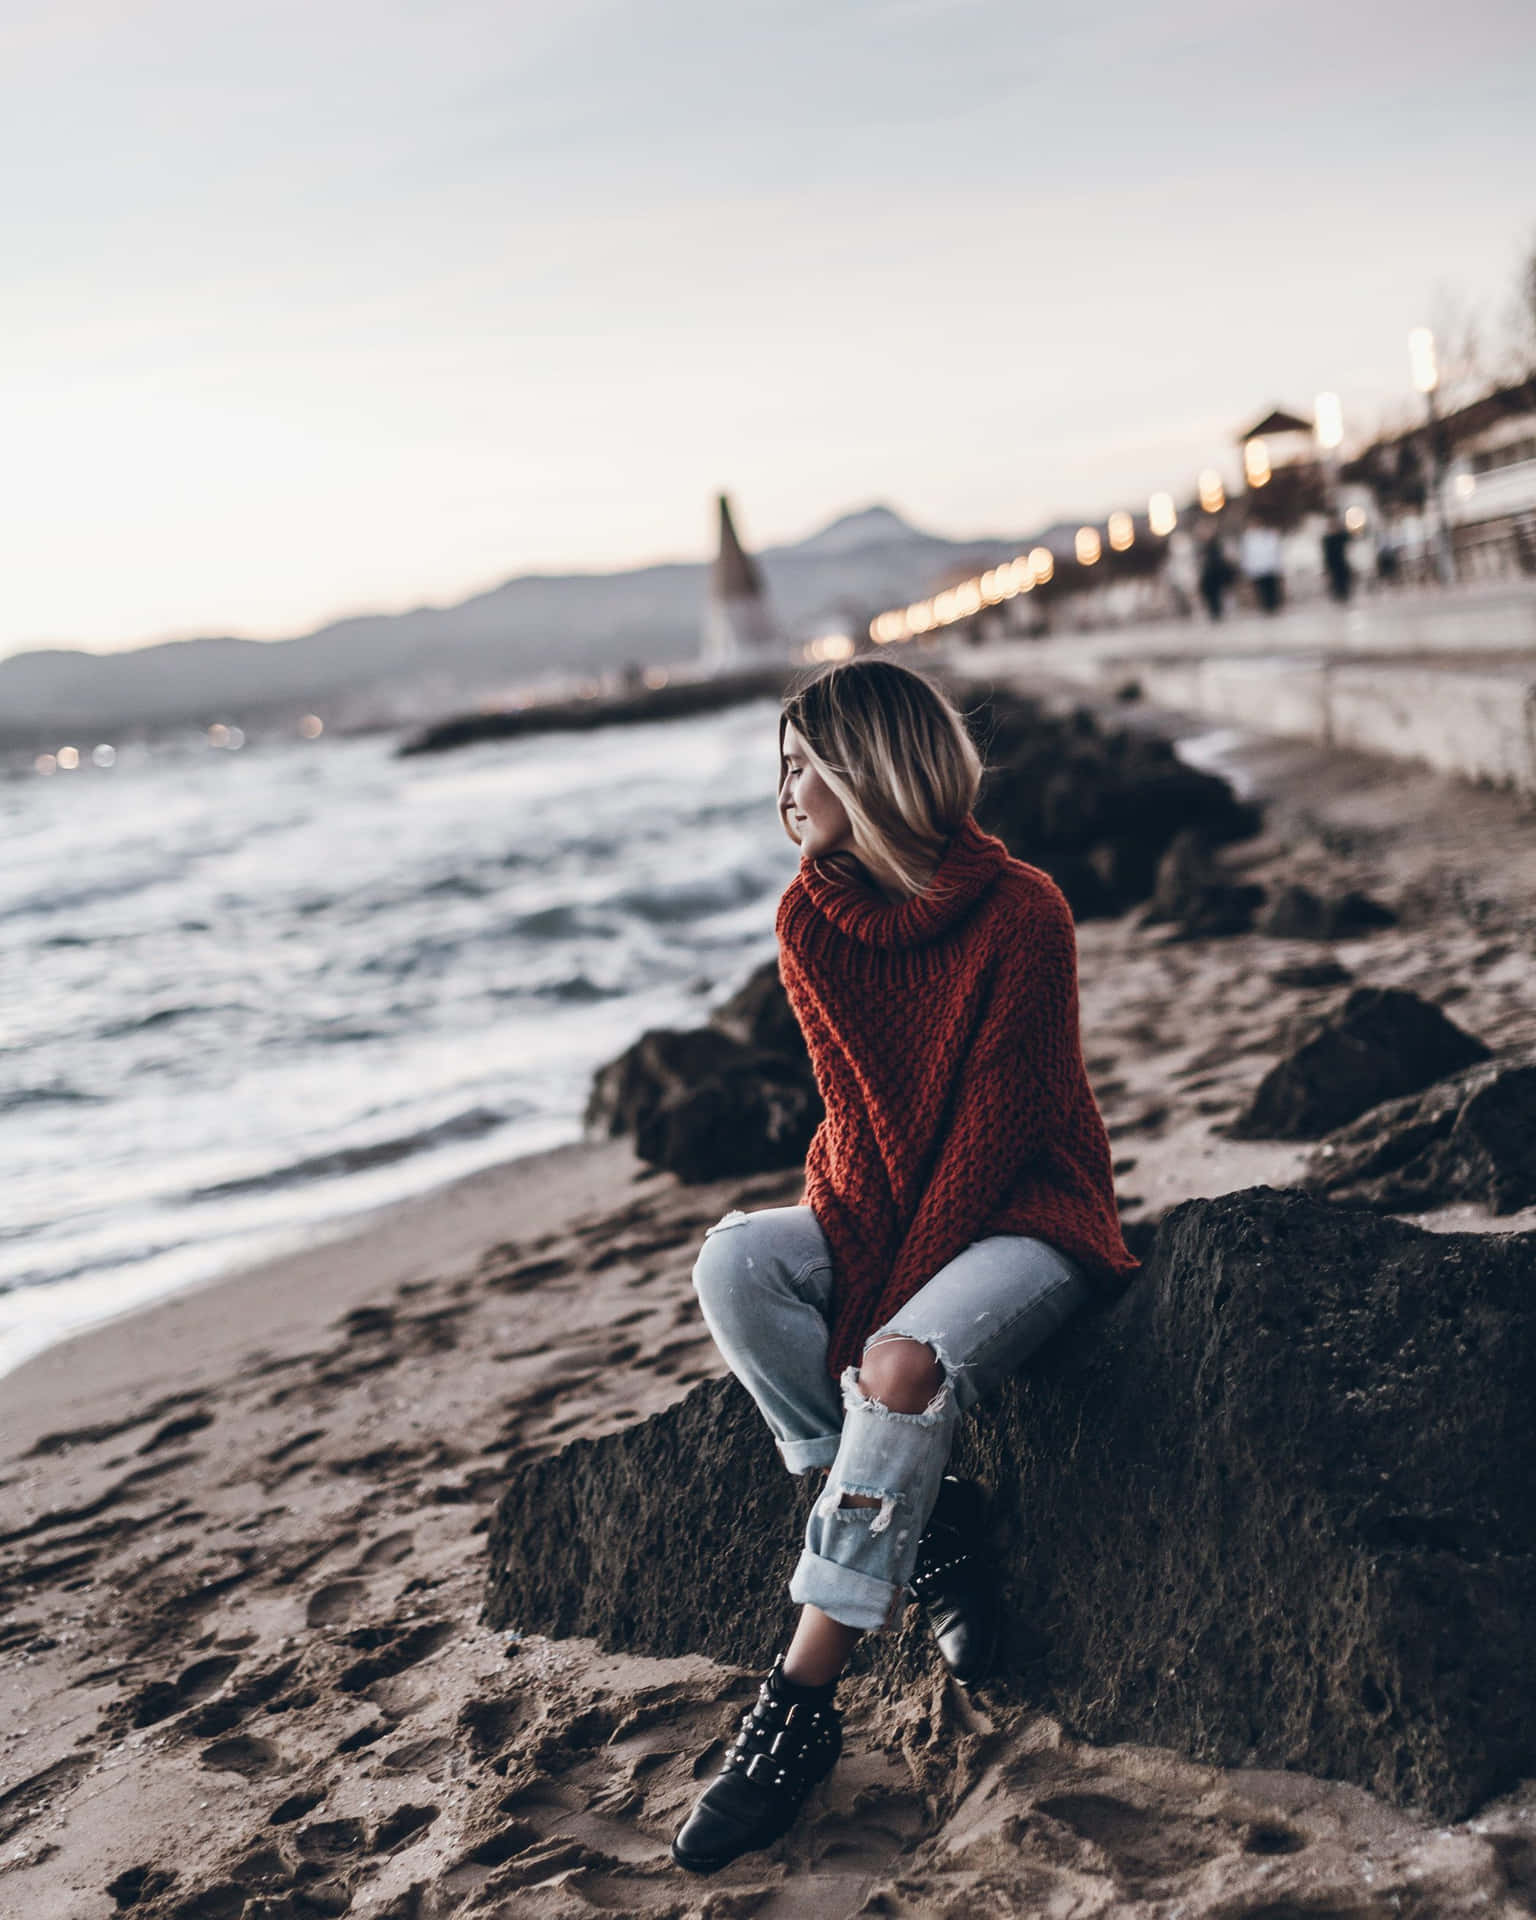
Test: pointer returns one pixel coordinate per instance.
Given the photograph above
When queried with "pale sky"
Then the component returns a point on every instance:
(312, 307)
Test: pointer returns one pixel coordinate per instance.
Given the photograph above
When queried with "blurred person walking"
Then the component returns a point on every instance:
(959, 1206)
(1216, 574)
(1261, 557)
(1336, 562)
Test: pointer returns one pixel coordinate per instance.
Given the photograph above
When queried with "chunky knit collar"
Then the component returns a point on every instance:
(967, 868)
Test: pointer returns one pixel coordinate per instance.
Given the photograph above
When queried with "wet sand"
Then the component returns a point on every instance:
(242, 1532)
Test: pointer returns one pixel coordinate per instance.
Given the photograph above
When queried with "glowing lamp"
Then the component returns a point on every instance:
(1421, 360)
(1328, 421)
(1161, 515)
(1122, 530)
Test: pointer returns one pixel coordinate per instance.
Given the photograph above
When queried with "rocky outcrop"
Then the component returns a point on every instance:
(1472, 1137)
(1096, 809)
(707, 1105)
(1192, 891)
(1383, 1043)
(1272, 1507)
(758, 1014)
(1297, 913)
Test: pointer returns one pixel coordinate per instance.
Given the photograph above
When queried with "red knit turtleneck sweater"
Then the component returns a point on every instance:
(943, 1032)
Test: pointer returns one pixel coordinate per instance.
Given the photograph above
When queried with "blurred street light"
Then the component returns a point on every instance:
(1422, 361)
(1122, 530)
(1086, 546)
(1042, 565)
(1329, 421)
(1162, 516)
(1256, 467)
(1213, 495)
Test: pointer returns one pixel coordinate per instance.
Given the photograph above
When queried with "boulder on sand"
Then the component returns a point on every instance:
(1383, 1043)
(1096, 810)
(1273, 1506)
(758, 1014)
(1192, 891)
(1472, 1137)
(1297, 913)
(706, 1105)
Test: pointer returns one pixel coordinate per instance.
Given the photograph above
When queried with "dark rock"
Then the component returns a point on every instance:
(1383, 1043)
(755, 1114)
(1296, 913)
(1272, 1507)
(1193, 891)
(1095, 809)
(1312, 973)
(661, 1063)
(758, 1014)
(1472, 1137)
(715, 1102)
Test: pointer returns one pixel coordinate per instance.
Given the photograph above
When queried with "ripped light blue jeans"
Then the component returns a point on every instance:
(764, 1282)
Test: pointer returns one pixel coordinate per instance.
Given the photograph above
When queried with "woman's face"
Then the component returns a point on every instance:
(816, 817)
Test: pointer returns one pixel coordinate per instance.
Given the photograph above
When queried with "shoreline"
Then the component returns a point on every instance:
(448, 1225)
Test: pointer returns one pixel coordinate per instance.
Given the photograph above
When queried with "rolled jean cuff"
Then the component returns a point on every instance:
(851, 1598)
(805, 1456)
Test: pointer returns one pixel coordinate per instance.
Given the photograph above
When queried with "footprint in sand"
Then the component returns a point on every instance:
(333, 1603)
(161, 1698)
(294, 1808)
(388, 1552)
(243, 1754)
(331, 1840)
(390, 1650)
(403, 1828)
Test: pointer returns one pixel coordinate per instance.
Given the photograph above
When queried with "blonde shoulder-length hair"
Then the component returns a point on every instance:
(897, 755)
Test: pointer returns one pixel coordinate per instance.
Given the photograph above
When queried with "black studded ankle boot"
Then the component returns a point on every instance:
(955, 1583)
(788, 1742)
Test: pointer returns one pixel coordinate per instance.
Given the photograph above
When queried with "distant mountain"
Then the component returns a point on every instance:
(871, 527)
(409, 666)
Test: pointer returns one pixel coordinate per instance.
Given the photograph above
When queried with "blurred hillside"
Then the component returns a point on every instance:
(537, 626)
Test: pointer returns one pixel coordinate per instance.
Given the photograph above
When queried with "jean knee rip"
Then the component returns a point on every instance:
(830, 1505)
(856, 1400)
(931, 1341)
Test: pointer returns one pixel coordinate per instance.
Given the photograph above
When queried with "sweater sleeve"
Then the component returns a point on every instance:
(1012, 1091)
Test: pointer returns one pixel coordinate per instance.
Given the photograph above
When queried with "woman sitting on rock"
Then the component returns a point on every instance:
(958, 1204)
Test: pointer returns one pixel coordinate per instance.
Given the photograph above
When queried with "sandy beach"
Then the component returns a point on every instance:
(241, 1552)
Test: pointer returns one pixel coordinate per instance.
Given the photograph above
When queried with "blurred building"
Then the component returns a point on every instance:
(1285, 480)
(1486, 458)
(1490, 484)
(738, 623)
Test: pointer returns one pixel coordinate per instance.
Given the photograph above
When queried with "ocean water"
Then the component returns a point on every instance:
(246, 995)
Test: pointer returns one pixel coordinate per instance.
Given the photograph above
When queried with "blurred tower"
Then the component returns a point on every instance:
(738, 624)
